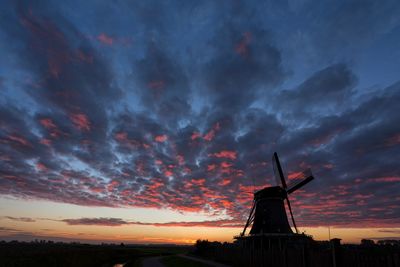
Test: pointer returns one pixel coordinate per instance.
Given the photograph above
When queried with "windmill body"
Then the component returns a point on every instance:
(268, 215)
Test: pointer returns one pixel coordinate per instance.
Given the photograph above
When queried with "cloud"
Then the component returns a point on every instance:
(189, 116)
(330, 85)
(395, 231)
(105, 39)
(8, 230)
(120, 222)
(20, 219)
(96, 221)
(235, 79)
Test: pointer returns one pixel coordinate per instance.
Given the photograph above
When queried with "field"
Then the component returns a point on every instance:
(77, 255)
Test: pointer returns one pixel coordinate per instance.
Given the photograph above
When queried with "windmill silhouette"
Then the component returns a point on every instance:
(268, 213)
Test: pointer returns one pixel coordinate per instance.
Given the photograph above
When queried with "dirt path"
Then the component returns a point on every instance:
(152, 262)
(212, 263)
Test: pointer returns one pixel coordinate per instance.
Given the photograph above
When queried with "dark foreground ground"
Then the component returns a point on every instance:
(45, 254)
(202, 254)
(255, 252)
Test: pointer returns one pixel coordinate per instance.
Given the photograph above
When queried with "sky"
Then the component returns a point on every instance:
(156, 121)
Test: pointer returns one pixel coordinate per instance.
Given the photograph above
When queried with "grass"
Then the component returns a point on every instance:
(176, 261)
(134, 263)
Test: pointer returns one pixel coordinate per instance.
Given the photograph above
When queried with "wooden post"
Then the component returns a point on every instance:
(333, 254)
(303, 256)
(335, 246)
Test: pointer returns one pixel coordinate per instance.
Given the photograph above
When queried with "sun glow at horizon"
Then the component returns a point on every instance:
(46, 223)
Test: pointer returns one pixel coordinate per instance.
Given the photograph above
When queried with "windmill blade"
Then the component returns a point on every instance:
(291, 214)
(298, 182)
(250, 219)
(280, 179)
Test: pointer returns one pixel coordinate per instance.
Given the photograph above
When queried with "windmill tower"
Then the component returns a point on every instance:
(268, 214)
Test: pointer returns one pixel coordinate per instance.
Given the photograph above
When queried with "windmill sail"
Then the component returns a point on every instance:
(299, 181)
(280, 179)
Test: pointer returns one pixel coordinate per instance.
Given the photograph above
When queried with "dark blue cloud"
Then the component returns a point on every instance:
(181, 105)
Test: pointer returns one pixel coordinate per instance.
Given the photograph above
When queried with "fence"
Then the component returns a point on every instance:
(301, 255)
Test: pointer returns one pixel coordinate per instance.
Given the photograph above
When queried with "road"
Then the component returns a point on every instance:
(155, 261)
(212, 263)
(152, 262)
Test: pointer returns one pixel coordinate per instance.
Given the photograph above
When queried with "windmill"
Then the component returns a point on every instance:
(268, 213)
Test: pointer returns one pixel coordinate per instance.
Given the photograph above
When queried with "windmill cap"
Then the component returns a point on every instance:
(270, 192)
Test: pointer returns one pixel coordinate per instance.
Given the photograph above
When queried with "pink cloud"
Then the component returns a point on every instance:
(18, 139)
(112, 185)
(121, 136)
(180, 159)
(41, 167)
(105, 39)
(211, 134)
(392, 141)
(82, 56)
(195, 135)
(328, 166)
(157, 85)
(225, 164)
(80, 121)
(389, 179)
(103, 221)
(211, 167)
(47, 123)
(96, 189)
(225, 154)
(225, 182)
(293, 175)
(198, 182)
(161, 138)
(242, 47)
(168, 173)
